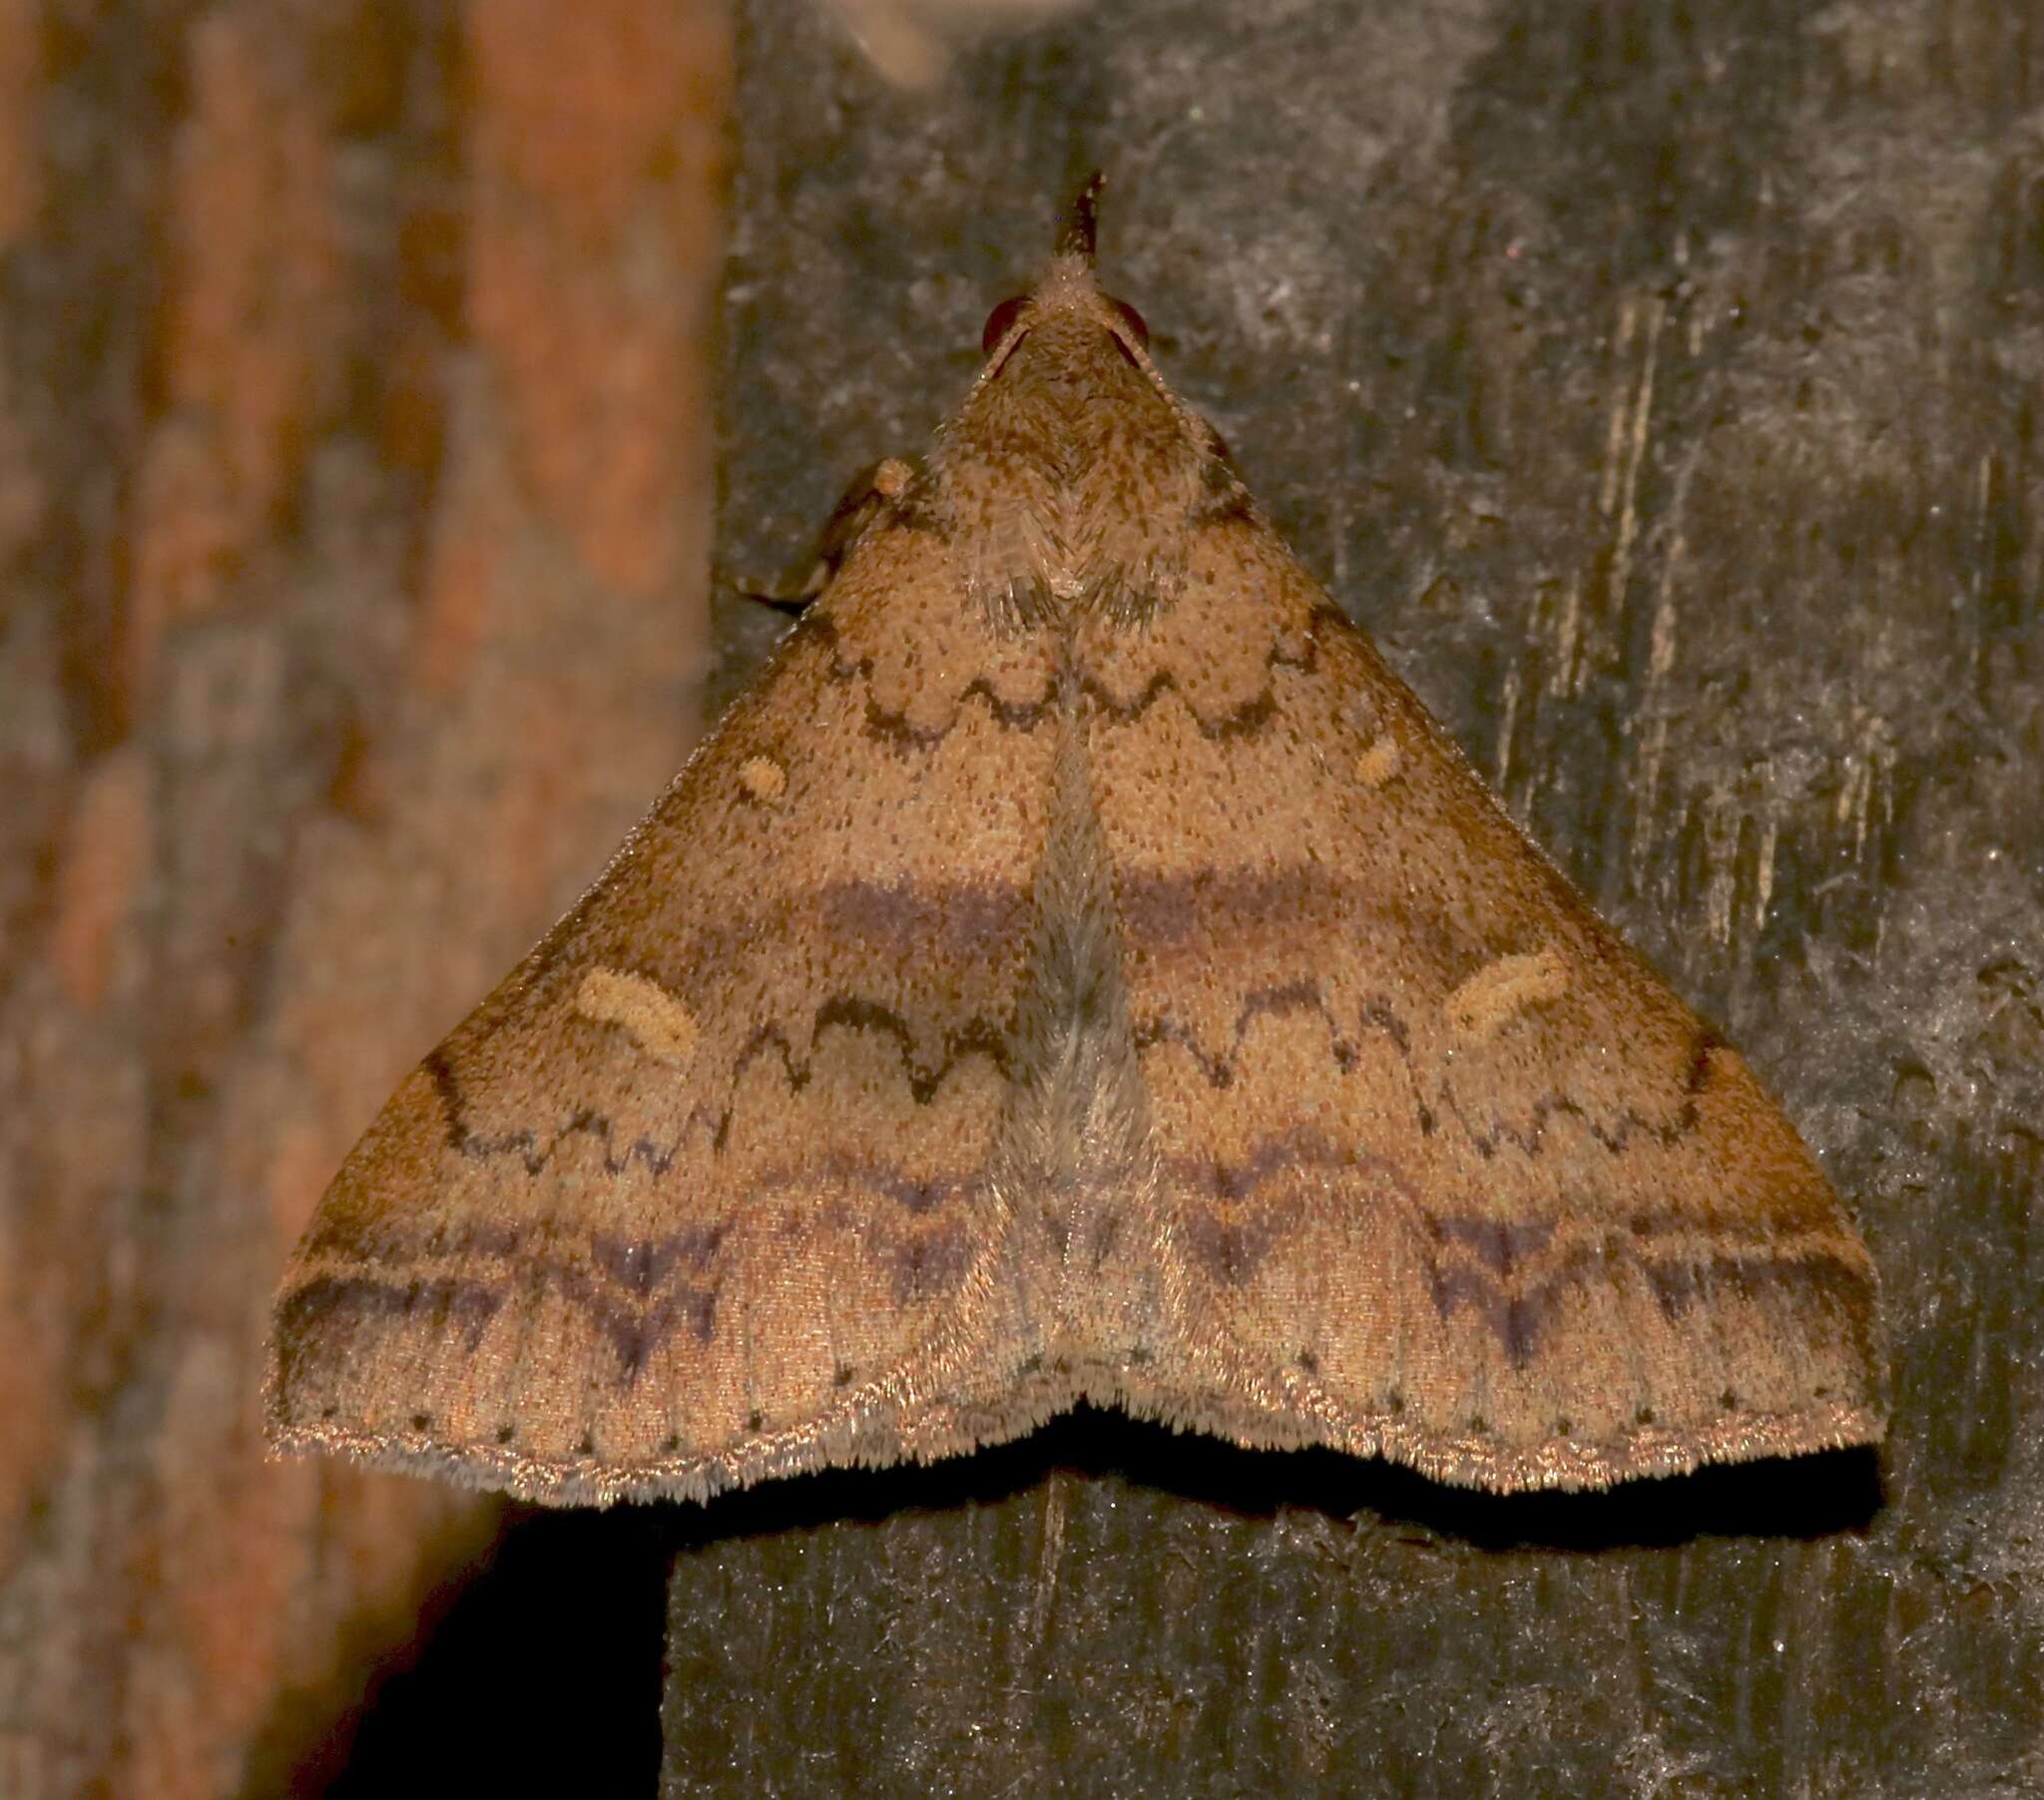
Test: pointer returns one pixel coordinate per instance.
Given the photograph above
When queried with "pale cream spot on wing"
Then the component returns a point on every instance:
(764, 779)
(661, 1024)
(892, 478)
(1499, 992)
(1378, 761)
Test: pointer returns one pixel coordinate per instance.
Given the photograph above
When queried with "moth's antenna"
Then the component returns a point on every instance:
(1075, 234)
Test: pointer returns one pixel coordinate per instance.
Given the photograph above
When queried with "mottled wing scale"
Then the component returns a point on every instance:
(1452, 1173)
(701, 1193)
(1077, 969)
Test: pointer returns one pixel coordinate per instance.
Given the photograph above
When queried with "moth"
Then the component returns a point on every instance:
(1076, 968)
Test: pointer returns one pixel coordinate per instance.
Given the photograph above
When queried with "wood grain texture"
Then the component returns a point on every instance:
(325, 519)
(1647, 384)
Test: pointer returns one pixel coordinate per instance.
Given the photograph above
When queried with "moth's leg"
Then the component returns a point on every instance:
(866, 499)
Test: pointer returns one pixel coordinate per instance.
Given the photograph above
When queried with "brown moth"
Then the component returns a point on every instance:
(1076, 968)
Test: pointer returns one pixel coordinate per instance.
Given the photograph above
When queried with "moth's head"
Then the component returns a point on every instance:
(1068, 294)
(1067, 322)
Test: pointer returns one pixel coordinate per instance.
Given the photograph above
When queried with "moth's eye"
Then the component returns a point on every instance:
(999, 322)
(1133, 319)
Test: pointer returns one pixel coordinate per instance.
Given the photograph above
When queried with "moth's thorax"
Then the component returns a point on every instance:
(1071, 477)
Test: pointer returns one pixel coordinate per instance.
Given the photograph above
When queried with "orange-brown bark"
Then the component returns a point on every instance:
(353, 491)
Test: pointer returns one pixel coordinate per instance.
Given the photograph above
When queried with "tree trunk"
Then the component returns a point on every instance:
(353, 513)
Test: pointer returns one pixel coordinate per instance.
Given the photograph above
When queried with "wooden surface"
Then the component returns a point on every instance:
(353, 520)
(1658, 384)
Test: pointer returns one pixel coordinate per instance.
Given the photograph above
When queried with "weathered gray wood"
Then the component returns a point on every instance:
(1660, 385)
